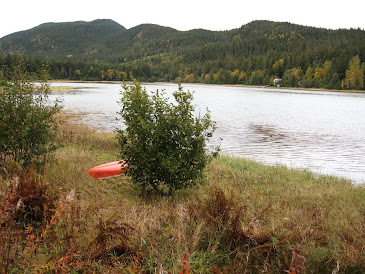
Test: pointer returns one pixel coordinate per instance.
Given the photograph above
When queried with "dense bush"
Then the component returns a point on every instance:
(163, 143)
(27, 118)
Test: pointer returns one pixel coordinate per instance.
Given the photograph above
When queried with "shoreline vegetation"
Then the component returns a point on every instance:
(245, 217)
(61, 89)
(259, 53)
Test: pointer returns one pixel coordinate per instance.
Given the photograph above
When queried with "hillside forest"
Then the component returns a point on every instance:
(260, 53)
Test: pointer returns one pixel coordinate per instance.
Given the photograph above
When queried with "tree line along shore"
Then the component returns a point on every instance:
(259, 53)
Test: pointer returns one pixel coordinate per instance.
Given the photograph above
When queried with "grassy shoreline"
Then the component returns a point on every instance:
(61, 89)
(227, 85)
(245, 218)
(64, 89)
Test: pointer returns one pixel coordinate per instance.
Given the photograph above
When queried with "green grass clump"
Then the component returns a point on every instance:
(246, 217)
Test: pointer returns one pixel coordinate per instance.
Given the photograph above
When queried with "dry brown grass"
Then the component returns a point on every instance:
(246, 218)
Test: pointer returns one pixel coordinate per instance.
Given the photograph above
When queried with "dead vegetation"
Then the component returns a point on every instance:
(246, 218)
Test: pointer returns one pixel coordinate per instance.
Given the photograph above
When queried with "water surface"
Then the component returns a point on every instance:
(316, 130)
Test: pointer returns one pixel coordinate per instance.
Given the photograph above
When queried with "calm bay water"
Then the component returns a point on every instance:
(320, 131)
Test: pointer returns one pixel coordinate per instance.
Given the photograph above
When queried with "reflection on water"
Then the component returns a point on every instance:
(321, 131)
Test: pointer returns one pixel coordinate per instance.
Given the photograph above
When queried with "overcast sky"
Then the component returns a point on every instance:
(17, 15)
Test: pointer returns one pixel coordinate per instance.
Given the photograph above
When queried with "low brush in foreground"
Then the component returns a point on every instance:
(246, 217)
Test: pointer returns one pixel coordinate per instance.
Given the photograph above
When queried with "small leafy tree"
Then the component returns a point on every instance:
(354, 74)
(163, 143)
(27, 118)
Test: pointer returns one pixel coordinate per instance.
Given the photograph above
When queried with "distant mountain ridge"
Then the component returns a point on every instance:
(98, 22)
(105, 39)
(57, 39)
(255, 53)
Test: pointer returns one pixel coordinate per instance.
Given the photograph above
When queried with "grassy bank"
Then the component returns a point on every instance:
(245, 218)
(59, 89)
(64, 89)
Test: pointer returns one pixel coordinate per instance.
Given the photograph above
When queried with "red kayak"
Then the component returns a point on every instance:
(108, 170)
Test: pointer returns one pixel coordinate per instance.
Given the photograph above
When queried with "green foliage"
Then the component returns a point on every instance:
(105, 50)
(27, 118)
(249, 218)
(163, 143)
(354, 74)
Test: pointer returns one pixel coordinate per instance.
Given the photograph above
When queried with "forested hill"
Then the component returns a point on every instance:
(256, 53)
(62, 39)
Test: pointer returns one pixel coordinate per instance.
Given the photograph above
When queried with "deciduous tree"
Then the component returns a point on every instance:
(163, 143)
(354, 75)
(27, 118)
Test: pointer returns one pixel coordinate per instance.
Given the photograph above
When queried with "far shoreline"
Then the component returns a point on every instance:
(223, 85)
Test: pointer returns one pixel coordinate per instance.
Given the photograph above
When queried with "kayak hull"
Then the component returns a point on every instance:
(108, 170)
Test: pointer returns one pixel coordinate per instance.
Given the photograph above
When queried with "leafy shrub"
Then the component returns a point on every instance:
(27, 118)
(163, 143)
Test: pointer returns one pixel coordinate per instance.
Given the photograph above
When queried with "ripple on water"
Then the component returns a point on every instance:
(320, 131)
